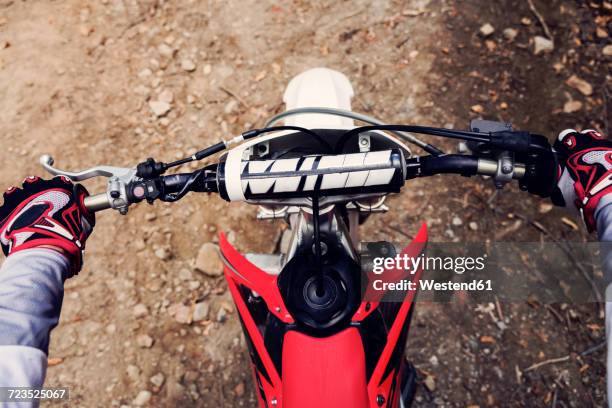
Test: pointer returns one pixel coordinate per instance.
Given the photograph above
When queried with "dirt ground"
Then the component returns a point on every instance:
(76, 79)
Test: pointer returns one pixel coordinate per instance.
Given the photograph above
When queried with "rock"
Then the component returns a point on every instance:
(221, 315)
(166, 96)
(142, 398)
(510, 34)
(572, 106)
(181, 313)
(140, 310)
(457, 221)
(200, 311)
(433, 360)
(145, 73)
(133, 372)
(607, 50)
(158, 380)
(140, 244)
(163, 253)
(580, 84)
(150, 216)
(601, 33)
(477, 109)
(473, 225)
(526, 21)
(111, 328)
(542, 45)
(188, 65)
(208, 261)
(207, 69)
(230, 106)
(193, 285)
(487, 29)
(159, 108)
(185, 274)
(430, 383)
(545, 208)
(165, 50)
(144, 341)
(239, 389)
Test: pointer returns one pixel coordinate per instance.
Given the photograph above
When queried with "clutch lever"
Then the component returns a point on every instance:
(118, 180)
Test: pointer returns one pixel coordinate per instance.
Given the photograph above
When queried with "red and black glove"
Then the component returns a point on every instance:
(585, 174)
(46, 213)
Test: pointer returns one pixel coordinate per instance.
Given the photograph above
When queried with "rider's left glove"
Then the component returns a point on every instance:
(49, 214)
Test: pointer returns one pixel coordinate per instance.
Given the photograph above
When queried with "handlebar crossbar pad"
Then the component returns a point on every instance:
(324, 175)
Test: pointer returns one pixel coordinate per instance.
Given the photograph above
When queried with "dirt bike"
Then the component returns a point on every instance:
(313, 338)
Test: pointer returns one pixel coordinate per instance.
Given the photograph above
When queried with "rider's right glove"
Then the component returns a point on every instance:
(48, 214)
(585, 173)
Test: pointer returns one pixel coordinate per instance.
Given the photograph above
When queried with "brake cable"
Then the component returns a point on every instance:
(151, 168)
(449, 133)
(317, 245)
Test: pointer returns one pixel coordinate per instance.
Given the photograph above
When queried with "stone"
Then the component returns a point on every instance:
(133, 372)
(158, 380)
(159, 108)
(165, 50)
(239, 389)
(166, 96)
(193, 285)
(473, 225)
(140, 310)
(580, 84)
(607, 50)
(145, 73)
(188, 65)
(457, 221)
(185, 274)
(221, 315)
(163, 253)
(142, 398)
(487, 29)
(208, 261)
(181, 313)
(207, 69)
(430, 383)
(111, 329)
(572, 106)
(144, 341)
(510, 34)
(200, 311)
(477, 108)
(542, 45)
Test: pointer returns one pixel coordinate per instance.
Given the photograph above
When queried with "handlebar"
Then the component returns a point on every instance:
(499, 152)
(325, 180)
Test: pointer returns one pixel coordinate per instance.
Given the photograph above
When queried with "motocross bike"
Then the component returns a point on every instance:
(314, 338)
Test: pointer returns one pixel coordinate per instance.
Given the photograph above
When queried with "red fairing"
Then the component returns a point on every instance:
(324, 372)
(318, 371)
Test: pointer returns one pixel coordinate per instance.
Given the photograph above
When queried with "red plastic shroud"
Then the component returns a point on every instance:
(318, 372)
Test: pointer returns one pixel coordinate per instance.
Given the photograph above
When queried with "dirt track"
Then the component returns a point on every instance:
(76, 80)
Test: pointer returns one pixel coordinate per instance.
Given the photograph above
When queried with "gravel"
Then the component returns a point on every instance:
(542, 45)
(142, 398)
(140, 310)
(208, 261)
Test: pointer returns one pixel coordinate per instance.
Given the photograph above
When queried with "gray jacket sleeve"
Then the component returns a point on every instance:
(31, 293)
(603, 216)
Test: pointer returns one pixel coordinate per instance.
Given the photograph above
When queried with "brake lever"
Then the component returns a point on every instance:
(118, 180)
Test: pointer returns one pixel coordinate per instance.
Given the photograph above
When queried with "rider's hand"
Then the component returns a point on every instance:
(47, 214)
(585, 174)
